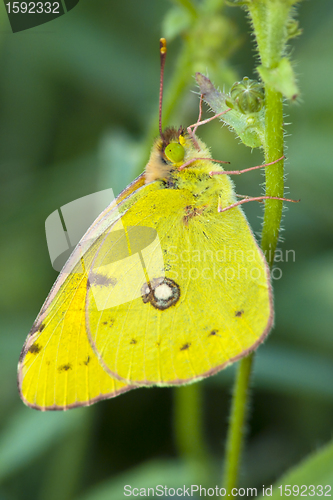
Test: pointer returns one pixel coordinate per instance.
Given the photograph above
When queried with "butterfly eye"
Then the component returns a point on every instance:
(174, 152)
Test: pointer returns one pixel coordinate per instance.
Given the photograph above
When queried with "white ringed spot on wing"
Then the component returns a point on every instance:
(162, 293)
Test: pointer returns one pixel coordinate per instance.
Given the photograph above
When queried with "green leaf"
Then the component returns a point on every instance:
(249, 127)
(175, 22)
(29, 433)
(281, 78)
(316, 470)
(282, 369)
(173, 474)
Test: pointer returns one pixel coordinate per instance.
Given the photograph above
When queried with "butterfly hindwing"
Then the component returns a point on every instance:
(208, 304)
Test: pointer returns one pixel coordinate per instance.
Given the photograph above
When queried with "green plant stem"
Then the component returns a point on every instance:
(188, 425)
(270, 235)
(273, 173)
(236, 429)
(269, 19)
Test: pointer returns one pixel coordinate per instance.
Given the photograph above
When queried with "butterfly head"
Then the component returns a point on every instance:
(173, 148)
(170, 152)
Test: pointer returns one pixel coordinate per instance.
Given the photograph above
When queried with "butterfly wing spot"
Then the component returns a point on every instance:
(212, 333)
(37, 328)
(185, 346)
(162, 293)
(133, 341)
(65, 368)
(238, 314)
(110, 322)
(86, 361)
(35, 348)
(101, 280)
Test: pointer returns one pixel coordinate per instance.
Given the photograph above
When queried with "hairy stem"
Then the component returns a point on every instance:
(235, 440)
(273, 173)
(188, 425)
(269, 19)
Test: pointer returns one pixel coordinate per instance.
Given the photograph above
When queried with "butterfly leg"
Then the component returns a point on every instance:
(257, 198)
(200, 114)
(243, 196)
(198, 123)
(192, 132)
(238, 172)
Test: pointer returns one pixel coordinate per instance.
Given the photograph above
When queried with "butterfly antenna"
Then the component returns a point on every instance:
(163, 51)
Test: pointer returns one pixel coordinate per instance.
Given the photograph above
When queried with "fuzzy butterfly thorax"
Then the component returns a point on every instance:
(196, 176)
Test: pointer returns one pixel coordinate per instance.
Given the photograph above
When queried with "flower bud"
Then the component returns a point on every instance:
(247, 96)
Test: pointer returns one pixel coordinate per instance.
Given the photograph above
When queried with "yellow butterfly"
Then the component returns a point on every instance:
(166, 287)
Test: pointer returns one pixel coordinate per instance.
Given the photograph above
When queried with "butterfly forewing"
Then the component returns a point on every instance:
(58, 368)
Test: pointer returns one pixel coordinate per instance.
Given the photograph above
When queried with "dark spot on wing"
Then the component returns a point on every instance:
(213, 332)
(110, 322)
(133, 341)
(86, 361)
(185, 346)
(238, 314)
(35, 348)
(37, 328)
(65, 368)
(101, 280)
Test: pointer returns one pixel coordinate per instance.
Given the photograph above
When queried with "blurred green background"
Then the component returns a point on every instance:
(78, 111)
